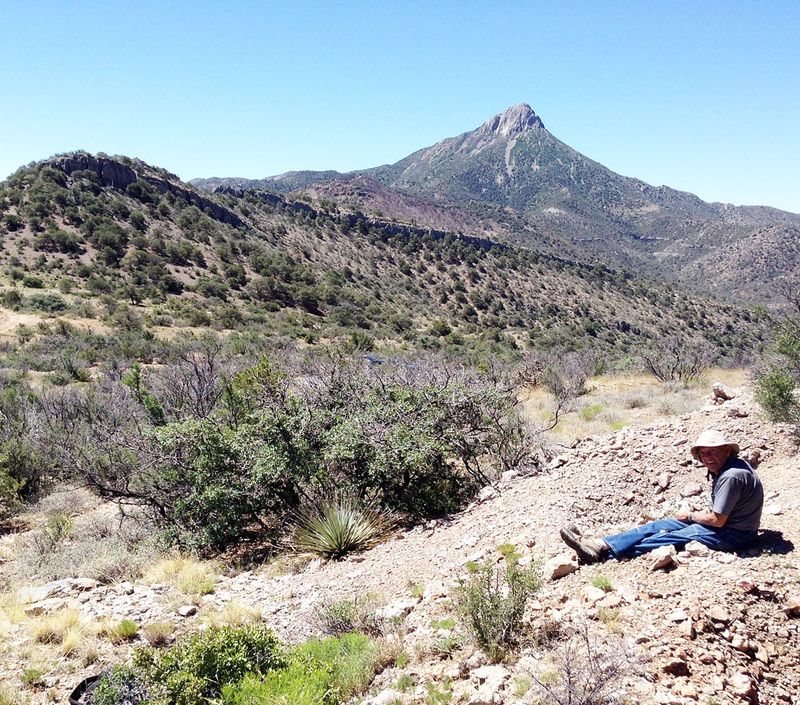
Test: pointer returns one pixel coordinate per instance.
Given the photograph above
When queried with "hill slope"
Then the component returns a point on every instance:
(98, 229)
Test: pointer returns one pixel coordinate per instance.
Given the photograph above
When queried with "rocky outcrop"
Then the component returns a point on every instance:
(114, 173)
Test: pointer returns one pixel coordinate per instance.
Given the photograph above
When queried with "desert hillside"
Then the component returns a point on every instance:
(704, 627)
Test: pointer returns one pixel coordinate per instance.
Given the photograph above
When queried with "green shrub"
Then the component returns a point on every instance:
(602, 582)
(775, 393)
(320, 672)
(341, 528)
(493, 601)
(197, 667)
(126, 630)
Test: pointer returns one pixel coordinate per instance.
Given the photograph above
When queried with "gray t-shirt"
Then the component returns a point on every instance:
(737, 492)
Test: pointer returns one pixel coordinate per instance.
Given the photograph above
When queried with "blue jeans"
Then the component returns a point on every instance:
(672, 532)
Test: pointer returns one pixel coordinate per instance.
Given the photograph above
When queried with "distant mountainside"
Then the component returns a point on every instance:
(513, 163)
(115, 238)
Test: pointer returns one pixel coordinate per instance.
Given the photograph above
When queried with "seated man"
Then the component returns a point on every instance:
(737, 498)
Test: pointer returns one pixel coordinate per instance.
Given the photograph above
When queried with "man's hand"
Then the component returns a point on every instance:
(683, 515)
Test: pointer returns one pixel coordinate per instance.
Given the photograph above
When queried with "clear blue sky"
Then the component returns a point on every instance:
(701, 96)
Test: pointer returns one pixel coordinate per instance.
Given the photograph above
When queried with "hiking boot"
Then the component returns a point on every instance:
(588, 550)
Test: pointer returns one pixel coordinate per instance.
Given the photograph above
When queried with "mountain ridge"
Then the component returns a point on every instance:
(511, 162)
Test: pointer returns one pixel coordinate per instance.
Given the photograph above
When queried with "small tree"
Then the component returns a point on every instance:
(677, 360)
(780, 375)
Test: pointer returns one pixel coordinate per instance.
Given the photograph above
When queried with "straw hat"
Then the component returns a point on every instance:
(712, 439)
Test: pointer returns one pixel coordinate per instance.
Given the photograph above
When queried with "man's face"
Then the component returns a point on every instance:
(714, 458)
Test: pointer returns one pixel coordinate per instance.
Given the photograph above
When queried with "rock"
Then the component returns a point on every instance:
(719, 614)
(187, 610)
(397, 609)
(677, 616)
(792, 606)
(773, 509)
(51, 604)
(610, 601)
(662, 557)
(491, 680)
(593, 594)
(488, 492)
(385, 697)
(691, 490)
(737, 413)
(559, 566)
(741, 685)
(663, 481)
(675, 667)
(434, 590)
(722, 393)
(697, 549)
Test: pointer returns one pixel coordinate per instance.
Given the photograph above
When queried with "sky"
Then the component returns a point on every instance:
(702, 96)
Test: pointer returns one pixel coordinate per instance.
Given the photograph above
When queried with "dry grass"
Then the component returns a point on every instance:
(188, 575)
(232, 614)
(158, 633)
(54, 628)
(613, 402)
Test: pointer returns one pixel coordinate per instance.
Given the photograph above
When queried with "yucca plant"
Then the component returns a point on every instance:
(341, 527)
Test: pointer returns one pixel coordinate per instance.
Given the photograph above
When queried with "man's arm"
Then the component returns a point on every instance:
(706, 518)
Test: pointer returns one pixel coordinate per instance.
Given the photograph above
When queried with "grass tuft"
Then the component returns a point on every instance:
(190, 576)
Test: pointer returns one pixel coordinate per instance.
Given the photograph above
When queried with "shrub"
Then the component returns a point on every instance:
(121, 686)
(320, 672)
(602, 582)
(775, 393)
(344, 616)
(198, 666)
(493, 601)
(158, 633)
(341, 528)
(677, 360)
(583, 674)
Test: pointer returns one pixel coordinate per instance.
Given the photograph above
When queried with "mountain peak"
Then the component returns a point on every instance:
(518, 118)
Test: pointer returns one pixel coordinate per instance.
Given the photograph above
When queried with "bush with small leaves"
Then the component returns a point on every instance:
(493, 600)
(197, 667)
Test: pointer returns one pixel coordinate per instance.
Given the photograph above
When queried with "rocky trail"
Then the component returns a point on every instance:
(703, 627)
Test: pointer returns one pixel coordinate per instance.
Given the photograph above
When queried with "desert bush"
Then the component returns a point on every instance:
(775, 393)
(493, 601)
(212, 453)
(198, 666)
(348, 615)
(583, 673)
(122, 686)
(319, 672)
(677, 360)
(341, 527)
(105, 549)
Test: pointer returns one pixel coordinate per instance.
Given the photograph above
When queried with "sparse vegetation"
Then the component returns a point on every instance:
(493, 600)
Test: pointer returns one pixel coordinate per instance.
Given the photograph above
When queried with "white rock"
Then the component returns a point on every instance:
(397, 609)
(559, 566)
(434, 590)
(187, 610)
(662, 557)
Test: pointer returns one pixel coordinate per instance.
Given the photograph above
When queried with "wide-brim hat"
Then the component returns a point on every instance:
(712, 439)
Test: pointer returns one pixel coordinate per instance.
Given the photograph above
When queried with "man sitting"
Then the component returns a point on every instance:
(737, 498)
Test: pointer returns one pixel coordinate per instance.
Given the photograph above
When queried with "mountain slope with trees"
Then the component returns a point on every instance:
(100, 235)
(513, 164)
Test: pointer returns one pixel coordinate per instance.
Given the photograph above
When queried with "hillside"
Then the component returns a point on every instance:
(513, 163)
(110, 238)
(711, 627)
